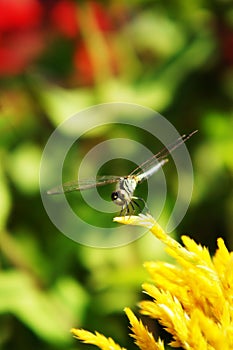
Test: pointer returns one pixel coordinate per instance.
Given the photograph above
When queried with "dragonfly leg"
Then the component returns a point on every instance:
(125, 210)
(132, 204)
(144, 202)
(130, 209)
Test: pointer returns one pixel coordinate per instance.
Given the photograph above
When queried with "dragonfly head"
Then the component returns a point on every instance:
(119, 197)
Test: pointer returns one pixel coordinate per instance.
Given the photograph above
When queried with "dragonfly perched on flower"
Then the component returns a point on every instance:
(125, 185)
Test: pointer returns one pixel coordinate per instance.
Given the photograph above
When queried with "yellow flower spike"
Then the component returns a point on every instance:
(214, 334)
(96, 339)
(143, 338)
(223, 262)
(149, 222)
(168, 310)
(171, 278)
(200, 252)
(196, 340)
(166, 276)
(193, 300)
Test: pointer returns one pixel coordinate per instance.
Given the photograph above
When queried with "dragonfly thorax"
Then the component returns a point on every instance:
(122, 196)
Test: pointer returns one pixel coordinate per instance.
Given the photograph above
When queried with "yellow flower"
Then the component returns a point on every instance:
(192, 299)
(96, 339)
(143, 338)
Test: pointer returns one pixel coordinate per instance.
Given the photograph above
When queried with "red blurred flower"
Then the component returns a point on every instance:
(103, 20)
(20, 35)
(18, 51)
(83, 65)
(64, 17)
(89, 66)
(19, 14)
(87, 62)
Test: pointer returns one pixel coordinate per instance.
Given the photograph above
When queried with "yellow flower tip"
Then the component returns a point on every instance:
(130, 314)
(96, 338)
(142, 336)
(148, 222)
(73, 331)
(81, 334)
(139, 220)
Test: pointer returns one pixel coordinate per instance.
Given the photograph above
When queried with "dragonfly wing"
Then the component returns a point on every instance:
(84, 184)
(158, 158)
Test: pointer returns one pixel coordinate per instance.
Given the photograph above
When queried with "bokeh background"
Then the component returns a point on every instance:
(58, 57)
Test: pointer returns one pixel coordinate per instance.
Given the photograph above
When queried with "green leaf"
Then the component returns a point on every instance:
(5, 202)
(23, 166)
(47, 313)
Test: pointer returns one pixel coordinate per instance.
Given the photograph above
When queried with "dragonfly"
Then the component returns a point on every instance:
(123, 195)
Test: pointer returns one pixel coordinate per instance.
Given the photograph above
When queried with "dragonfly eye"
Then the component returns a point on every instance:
(118, 198)
(114, 196)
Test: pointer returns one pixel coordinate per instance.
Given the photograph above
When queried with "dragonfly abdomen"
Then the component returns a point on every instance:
(150, 171)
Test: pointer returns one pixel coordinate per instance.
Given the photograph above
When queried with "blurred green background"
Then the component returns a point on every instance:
(58, 57)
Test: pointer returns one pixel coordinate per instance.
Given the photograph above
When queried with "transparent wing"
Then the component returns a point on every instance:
(158, 157)
(84, 184)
